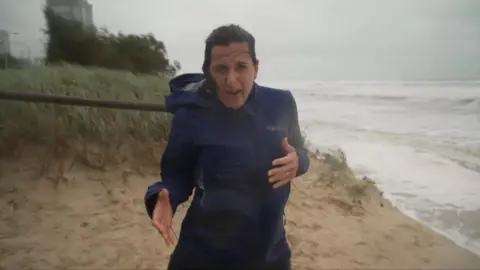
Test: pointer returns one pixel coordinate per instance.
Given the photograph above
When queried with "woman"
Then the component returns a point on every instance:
(239, 145)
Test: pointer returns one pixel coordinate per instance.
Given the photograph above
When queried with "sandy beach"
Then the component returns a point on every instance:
(75, 216)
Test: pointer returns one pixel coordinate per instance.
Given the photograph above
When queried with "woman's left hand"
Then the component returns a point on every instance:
(288, 166)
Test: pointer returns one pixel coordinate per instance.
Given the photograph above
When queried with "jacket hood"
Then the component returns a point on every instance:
(187, 90)
(183, 91)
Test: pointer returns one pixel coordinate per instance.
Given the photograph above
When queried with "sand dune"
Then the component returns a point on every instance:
(86, 218)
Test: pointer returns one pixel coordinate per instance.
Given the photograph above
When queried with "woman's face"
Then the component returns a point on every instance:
(234, 73)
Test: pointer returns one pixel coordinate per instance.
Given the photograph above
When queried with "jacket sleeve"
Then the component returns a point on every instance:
(177, 165)
(295, 138)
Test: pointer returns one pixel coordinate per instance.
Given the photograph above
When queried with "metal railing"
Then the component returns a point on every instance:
(78, 101)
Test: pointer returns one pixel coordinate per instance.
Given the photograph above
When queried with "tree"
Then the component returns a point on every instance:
(72, 42)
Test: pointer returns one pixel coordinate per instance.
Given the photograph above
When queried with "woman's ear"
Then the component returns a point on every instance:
(256, 70)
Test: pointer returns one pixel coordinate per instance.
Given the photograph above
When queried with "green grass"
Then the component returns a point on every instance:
(22, 122)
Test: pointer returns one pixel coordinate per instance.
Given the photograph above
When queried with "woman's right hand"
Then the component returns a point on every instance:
(162, 217)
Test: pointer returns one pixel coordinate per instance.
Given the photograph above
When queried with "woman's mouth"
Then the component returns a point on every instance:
(234, 92)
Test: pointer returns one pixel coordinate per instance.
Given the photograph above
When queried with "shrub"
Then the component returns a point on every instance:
(22, 122)
(72, 42)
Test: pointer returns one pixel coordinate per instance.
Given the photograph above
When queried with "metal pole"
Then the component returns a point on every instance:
(78, 101)
(5, 56)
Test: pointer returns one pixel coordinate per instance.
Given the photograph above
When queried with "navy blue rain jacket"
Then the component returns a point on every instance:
(235, 217)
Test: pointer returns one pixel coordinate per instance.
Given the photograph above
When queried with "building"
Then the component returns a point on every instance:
(4, 42)
(77, 10)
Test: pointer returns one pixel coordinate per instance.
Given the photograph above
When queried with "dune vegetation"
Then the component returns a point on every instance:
(65, 128)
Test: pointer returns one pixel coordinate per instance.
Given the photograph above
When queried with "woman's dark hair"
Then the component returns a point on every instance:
(224, 36)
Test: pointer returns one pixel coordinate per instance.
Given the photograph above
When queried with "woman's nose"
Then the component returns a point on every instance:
(231, 79)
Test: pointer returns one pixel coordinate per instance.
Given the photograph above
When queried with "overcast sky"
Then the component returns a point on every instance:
(296, 40)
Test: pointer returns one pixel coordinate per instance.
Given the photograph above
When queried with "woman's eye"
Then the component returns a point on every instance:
(221, 69)
(241, 67)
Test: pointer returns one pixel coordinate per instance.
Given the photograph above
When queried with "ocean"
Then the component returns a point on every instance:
(419, 141)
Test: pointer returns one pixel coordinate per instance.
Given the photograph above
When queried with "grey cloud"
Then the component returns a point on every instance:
(305, 39)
